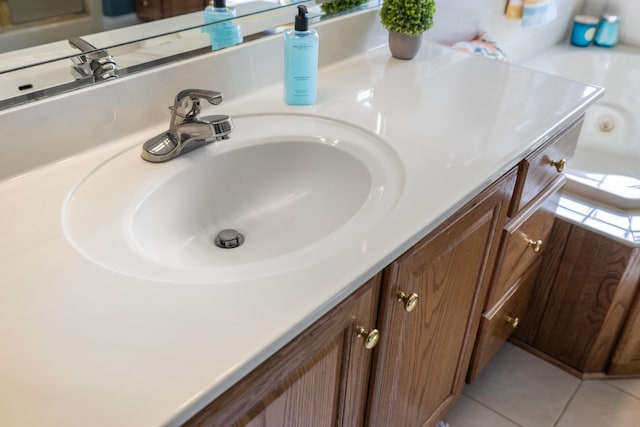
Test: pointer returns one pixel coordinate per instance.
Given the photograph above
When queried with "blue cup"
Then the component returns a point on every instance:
(607, 33)
(584, 30)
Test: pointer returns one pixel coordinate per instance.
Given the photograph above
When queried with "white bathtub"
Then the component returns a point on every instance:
(606, 167)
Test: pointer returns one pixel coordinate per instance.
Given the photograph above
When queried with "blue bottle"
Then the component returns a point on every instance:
(300, 61)
(221, 34)
(607, 33)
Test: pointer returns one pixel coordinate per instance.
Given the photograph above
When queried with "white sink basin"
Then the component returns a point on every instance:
(295, 186)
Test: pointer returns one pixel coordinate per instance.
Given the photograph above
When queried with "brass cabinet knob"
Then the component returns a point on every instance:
(559, 165)
(145, 3)
(371, 337)
(513, 321)
(535, 244)
(410, 301)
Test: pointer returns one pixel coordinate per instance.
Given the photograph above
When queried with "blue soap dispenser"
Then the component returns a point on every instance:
(221, 34)
(300, 61)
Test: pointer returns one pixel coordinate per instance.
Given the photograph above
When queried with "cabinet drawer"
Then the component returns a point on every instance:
(497, 325)
(523, 241)
(544, 165)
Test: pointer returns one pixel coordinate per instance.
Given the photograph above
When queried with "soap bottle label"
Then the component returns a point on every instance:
(301, 68)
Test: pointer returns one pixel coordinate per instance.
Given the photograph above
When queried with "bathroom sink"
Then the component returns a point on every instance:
(296, 187)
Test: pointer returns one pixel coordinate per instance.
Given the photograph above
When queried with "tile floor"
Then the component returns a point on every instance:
(518, 389)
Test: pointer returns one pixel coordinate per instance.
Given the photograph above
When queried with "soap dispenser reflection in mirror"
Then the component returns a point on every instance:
(222, 31)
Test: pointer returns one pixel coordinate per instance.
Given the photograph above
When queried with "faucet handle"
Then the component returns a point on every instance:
(187, 101)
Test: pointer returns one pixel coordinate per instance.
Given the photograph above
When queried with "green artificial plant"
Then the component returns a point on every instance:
(410, 17)
(335, 6)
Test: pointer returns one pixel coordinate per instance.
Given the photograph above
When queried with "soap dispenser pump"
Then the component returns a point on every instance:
(300, 61)
(221, 34)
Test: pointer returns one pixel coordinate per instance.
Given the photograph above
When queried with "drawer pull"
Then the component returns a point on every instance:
(535, 244)
(371, 337)
(559, 165)
(513, 321)
(410, 301)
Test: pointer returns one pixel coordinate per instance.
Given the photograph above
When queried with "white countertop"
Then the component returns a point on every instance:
(83, 345)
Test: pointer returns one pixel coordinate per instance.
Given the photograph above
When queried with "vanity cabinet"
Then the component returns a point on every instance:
(323, 378)
(428, 305)
(150, 10)
(318, 379)
(429, 312)
(524, 239)
(582, 299)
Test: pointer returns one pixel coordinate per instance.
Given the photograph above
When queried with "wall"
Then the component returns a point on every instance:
(462, 19)
(629, 12)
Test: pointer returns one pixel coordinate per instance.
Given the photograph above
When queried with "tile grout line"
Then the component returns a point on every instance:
(494, 411)
(619, 389)
(564, 410)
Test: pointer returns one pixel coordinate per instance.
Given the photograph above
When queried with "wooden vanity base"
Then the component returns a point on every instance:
(584, 314)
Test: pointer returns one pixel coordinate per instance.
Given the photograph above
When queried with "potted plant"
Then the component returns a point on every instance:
(406, 20)
(336, 6)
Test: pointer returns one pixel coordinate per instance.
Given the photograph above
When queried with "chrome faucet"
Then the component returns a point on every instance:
(93, 62)
(187, 130)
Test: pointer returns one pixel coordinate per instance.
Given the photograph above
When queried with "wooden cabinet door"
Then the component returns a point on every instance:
(318, 379)
(587, 301)
(423, 355)
(626, 359)
(151, 10)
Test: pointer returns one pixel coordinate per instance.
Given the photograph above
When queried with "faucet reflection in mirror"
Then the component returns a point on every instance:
(187, 130)
(94, 62)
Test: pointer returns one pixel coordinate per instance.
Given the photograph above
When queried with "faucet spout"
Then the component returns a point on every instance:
(187, 130)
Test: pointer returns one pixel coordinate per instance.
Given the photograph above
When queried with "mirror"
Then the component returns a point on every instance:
(53, 66)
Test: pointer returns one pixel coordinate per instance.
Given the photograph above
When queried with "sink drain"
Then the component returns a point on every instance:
(607, 123)
(229, 239)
